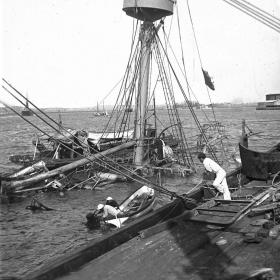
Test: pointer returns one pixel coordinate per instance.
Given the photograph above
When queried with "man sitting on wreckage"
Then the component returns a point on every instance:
(107, 211)
(112, 202)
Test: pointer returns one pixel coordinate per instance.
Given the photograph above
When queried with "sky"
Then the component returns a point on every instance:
(71, 53)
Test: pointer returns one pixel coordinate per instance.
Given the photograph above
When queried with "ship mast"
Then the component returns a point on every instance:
(148, 12)
(143, 90)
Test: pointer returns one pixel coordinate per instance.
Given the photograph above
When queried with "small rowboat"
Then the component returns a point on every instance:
(136, 205)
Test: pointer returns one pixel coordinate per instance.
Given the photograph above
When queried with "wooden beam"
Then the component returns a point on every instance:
(40, 177)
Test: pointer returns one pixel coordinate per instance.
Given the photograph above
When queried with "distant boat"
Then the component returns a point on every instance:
(26, 111)
(203, 107)
(100, 113)
(272, 102)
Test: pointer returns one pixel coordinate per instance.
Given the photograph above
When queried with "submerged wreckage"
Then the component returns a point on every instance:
(184, 232)
(132, 145)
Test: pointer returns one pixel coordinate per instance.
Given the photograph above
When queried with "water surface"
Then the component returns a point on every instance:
(31, 239)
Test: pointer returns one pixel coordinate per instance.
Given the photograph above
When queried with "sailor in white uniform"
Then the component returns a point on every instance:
(220, 182)
(108, 210)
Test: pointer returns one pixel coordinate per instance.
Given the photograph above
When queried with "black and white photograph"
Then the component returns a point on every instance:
(140, 140)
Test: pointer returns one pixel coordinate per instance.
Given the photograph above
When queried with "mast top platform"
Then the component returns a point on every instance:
(148, 10)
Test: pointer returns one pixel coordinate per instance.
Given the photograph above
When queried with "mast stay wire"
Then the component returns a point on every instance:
(261, 10)
(124, 81)
(106, 164)
(173, 113)
(48, 125)
(111, 90)
(188, 103)
(127, 100)
(35, 126)
(172, 110)
(42, 112)
(258, 12)
(169, 71)
(271, 24)
(118, 171)
(260, 16)
(181, 45)
(200, 59)
(255, 11)
(181, 88)
(44, 122)
(188, 85)
(139, 179)
(131, 87)
(58, 131)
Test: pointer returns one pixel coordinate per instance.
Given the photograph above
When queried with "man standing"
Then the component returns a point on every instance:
(220, 182)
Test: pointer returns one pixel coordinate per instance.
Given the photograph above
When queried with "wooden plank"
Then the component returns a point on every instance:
(216, 210)
(216, 214)
(40, 177)
(229, 207)
(213, 220)
(168, 225)
(242, 201)
(217, 217)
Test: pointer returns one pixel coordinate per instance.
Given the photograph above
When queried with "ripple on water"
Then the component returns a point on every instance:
(29, 240)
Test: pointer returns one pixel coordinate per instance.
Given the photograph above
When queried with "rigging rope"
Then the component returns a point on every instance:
(132, 55)
(188, 85)
(173, 112)
(261, 17)
(138, 178)
(261, 10)
(255, 14)
(51, 137)
(181, 45)
(200, 59)
(188, 103)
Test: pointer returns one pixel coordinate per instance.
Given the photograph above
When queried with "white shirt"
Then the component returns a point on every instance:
(211, 166)
(110, 210)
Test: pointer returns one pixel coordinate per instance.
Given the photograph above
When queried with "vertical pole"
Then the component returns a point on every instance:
(59, 122)
(143, 88)
(155, 116)
(244, 136)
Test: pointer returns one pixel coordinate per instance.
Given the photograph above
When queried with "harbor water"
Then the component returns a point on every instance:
(29, 240)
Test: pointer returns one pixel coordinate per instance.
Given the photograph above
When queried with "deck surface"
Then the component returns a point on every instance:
(187, 250)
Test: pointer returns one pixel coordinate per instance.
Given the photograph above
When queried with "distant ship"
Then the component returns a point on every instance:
(100, 113)
(272, 102)
(203, 106)
(26, 111)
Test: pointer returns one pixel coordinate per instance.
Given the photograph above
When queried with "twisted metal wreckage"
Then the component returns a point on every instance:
(198, 219)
